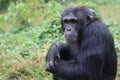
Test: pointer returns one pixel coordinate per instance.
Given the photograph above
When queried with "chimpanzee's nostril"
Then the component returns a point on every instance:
(68, 29)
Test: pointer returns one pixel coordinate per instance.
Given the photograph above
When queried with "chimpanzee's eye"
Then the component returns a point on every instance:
(73, 20)
(70, 21)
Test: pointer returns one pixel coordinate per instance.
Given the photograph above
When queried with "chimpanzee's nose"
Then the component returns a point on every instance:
(68, 29)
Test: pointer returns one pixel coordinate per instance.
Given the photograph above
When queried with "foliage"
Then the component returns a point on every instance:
(116, 33)
(21, 57)
(20, 15)
(105, 2)
(51, 28)
(36, 25)
(4, 4)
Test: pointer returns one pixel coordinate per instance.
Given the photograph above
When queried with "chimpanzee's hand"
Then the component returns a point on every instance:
(52, 55)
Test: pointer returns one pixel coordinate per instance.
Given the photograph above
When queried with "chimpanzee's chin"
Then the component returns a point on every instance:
(70, 40)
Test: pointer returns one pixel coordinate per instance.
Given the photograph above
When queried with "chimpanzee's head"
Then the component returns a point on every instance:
(74, 20)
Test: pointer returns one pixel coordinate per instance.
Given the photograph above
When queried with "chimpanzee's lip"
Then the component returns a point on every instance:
(68, 38)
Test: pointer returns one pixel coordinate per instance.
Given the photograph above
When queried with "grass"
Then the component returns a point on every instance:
(21, 58)
(110, 12)
(19, 62)
(118, 71)
(18, 68)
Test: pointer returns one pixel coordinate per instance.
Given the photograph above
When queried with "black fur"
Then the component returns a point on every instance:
(91, 57)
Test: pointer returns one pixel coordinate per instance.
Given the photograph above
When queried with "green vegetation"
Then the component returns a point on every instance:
(29, 27)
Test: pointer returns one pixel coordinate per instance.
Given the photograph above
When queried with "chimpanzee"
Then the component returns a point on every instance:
(89, 52)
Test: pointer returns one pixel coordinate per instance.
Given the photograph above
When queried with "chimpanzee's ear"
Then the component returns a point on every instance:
(90, 18)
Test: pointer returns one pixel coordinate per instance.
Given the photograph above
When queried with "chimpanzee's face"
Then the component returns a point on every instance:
(73, 20)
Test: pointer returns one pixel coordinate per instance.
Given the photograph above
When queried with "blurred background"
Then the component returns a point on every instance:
(29, 27)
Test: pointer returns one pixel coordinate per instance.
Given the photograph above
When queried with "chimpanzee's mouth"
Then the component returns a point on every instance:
(70, 39)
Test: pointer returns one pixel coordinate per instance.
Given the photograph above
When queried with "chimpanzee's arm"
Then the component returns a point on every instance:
(56, 51)
(84, 68)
